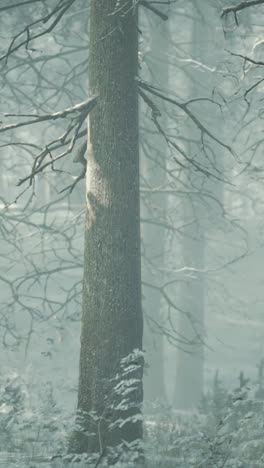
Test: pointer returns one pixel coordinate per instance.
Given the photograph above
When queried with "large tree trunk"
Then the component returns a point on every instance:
(112, 316)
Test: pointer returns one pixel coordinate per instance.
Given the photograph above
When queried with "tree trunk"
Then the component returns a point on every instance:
(154, 207)
(111, 325)
(190, 358)
(190, 361)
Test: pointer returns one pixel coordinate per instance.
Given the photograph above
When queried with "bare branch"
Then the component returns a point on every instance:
(80, 112)
(84, 107)
(153, 9)
(76, 181)
(184, 106)
(247, 59)
(60, 8)
(241, 6)
(16, 5)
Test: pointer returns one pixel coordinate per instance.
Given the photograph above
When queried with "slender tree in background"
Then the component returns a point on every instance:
(111, 326)
(189, 359)
(153, 234)
(194, 249)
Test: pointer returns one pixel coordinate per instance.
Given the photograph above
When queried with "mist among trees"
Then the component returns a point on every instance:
(131, 224)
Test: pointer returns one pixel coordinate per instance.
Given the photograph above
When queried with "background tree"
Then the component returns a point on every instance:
(153, 212)
(191, 291)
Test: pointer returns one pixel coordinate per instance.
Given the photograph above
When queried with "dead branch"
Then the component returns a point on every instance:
(241, 6)
(60, 10)
(183, 106)
(153, 9)
(16, 5)
(247, 59)
(156, 113)
(83, 108)
(80, 112)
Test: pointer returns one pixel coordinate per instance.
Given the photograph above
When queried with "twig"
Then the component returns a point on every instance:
(73, 185)
(84, 107)
(184, 106)
(239, 7)
(61, 7)
(16, 5)
(153, 9)
(248, 59)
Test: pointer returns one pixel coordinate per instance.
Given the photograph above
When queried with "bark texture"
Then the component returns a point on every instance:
(112, 317)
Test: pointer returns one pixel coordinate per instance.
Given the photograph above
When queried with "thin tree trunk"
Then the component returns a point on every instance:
(154, 171)
(112, 316)
(190, 359)
(190, 364)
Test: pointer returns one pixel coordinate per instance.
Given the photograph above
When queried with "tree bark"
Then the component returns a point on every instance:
(111, 325)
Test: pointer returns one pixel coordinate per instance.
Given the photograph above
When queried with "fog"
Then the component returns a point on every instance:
(201, 202)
